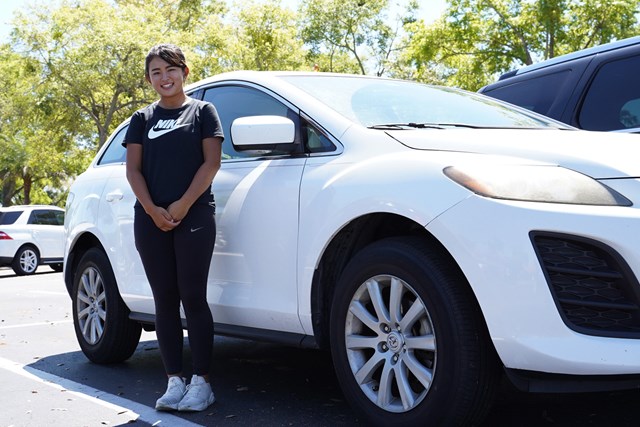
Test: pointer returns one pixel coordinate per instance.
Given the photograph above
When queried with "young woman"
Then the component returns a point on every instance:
(173, 154)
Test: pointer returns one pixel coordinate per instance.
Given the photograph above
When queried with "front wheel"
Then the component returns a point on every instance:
(26, 261)
(100, 317)
(408, 340)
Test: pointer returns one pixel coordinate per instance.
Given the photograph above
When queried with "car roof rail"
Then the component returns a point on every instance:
(508, 74)
(574, 55)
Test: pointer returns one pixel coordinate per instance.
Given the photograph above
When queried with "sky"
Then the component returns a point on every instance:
(430, 10)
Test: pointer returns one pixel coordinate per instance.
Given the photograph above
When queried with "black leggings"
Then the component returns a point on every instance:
(177, 266)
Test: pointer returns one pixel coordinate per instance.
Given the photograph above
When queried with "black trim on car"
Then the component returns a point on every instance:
(540, 382)
(594, 289)
(256, 334)
(51, 260)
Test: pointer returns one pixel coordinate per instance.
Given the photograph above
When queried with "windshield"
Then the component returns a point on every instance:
(377, 102)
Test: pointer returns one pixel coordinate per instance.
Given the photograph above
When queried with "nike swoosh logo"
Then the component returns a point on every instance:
(153, 134)
(193, 230)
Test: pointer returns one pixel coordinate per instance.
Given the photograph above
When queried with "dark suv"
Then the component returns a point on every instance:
(593, 89)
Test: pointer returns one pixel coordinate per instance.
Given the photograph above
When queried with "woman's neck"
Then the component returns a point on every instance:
(173, 102)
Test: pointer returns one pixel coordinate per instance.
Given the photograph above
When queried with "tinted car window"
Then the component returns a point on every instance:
(536, 94)
(315, 140)
(612, 101)
(232, 102)
(115, 152)
(7, 218)
(44, 217)
(59, 217)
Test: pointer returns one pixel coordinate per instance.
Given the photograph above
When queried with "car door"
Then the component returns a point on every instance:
(47, 232)
(253, 272)
(610, 96)
(115, 223)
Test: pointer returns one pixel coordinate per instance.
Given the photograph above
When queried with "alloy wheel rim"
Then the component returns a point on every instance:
(391, 344)
(92, 305)
(28, 261)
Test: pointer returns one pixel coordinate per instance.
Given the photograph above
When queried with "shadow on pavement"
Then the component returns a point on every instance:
(7, 272)
(254, 383)
(266, 384)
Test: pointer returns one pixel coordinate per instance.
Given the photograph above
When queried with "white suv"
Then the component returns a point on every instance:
(30, 236)
(432, 238)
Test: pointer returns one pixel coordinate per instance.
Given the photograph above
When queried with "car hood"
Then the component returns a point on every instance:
(600, 155)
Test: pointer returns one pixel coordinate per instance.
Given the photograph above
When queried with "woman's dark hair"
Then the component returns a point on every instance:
(169, 53)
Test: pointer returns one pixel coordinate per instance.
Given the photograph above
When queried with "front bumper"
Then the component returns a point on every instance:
(493, 243)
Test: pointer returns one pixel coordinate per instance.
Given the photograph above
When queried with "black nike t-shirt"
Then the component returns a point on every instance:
(172, 147)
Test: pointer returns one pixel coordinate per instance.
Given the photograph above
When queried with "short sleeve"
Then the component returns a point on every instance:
(135, 131)
(211, 126)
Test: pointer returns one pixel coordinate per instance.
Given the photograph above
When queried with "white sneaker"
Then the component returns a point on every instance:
(172, 397)
(198, 396)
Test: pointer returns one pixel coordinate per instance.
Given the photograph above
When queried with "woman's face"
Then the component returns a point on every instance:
(166, 79)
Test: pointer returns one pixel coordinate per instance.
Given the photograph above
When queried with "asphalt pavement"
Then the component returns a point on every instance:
(45, 380)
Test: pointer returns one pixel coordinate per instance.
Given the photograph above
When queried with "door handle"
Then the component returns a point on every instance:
(114, 196)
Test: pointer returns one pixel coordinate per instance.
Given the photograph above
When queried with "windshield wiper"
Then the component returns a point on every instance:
(460, 125)
(406, 125)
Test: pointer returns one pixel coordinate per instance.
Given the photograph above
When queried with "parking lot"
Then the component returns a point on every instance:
(46, 380)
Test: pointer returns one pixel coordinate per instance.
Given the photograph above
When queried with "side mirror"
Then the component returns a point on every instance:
(263, 133)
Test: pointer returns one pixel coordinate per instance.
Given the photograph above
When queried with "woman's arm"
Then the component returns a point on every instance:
(160, 216)
(212, 150)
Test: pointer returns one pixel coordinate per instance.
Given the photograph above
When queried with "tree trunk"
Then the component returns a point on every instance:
(26, 189)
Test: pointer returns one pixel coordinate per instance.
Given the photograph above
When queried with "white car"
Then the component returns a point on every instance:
(31, 235)
(433, 239)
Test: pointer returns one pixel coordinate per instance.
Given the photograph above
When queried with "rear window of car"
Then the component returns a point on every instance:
(536, 94)
(7, 218)
(46, 217)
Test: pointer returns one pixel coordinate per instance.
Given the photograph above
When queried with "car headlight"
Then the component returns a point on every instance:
(548, 184)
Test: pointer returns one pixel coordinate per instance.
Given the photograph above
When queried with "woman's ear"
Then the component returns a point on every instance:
(185, 72)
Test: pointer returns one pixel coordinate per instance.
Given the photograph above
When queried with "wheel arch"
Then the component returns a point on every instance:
(30, 245)
(356, 235)
(81, 245)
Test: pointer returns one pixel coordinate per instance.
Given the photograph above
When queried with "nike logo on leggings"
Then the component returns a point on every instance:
(193, 230)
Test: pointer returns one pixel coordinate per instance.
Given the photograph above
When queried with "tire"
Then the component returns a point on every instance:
(57, 267)
(408, 341)
(100, 317)
(26, 261)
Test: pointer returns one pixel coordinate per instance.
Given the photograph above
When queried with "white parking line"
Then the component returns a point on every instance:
(28, 325)
(50, 293)
(125, 407)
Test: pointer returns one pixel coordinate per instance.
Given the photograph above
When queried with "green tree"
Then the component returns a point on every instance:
(86, 59)
(86, 62)
(38, 157)
(265, 38)
(355, 29)
(94, 50)
(475, 40)
(16, 77)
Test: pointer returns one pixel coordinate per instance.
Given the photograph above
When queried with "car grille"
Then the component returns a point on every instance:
(594, 289)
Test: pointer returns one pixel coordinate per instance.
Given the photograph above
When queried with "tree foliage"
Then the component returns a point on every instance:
(74, 69)
(38, 156)
(353, 30)
(475, 40)
(94, 50)
(264, 38)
